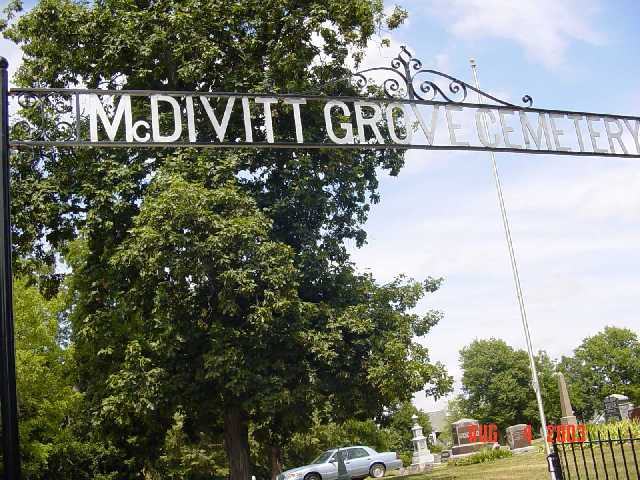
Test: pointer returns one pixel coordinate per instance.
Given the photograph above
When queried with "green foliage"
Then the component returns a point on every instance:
(398, 421)
(305, 447)
(78, 455)
(392, 434)
(45, 394)
(397, 17)
(496, 385)
(455, 412)
(54, 440)
(622, 428)
(198, 278)
(438, 448)
(483, 456)
(213, 290)
(606, 363)
(183, 458)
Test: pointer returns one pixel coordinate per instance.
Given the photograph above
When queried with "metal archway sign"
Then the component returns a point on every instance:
(412, 108)
(403, 106)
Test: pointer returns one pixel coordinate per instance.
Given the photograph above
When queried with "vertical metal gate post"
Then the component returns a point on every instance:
(8, 398)
(553, 460)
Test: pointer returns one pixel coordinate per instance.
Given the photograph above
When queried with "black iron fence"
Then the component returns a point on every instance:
(598, 457)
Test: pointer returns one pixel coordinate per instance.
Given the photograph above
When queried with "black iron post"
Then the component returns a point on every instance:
(8, 399)
(343, 473)
(553, 461)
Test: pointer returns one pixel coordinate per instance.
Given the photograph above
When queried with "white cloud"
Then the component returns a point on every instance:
(544, 28)
(575, 228)
(13, 54)
(442, 62)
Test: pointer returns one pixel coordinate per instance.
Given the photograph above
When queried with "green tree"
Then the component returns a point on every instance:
(45, 395)
(364, 356)
(606, 363)
(496, 384)
(55, 438)
(455, 412)
(391, 433)
(199, 278)
(206, 297)
(398, 422)
(151, 344)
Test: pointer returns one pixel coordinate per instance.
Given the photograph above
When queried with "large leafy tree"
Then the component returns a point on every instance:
(496, 384)
(178, 308)
(606, 363)
(207, 314)
(210, 323)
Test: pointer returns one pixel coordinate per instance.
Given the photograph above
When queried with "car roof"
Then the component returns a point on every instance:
(348, 446)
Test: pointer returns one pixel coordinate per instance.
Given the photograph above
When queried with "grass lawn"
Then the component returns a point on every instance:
(533, 466)
(624, 464)
(530, 466)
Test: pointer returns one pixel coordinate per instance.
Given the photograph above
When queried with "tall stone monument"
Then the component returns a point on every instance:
(565, 403)
(422, 456)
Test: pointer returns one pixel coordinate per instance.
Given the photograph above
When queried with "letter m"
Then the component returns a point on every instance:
(123, 109)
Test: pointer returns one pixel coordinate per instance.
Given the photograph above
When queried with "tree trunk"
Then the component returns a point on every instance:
(236, 442)
(276, 461)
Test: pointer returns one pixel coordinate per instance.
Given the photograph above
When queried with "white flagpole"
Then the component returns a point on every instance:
(516, 277)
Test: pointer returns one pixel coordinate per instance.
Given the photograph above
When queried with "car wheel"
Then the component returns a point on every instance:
(312, 476)
(377, 470)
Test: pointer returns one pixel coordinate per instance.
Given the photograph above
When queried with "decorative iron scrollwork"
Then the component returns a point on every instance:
(406, 77)
(44, 116)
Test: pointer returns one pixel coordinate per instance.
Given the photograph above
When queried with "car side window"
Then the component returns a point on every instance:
(358, 453)
(346, 454)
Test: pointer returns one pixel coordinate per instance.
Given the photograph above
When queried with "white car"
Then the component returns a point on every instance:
(360, 461)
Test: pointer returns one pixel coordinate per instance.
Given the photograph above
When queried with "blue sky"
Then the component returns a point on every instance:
(575, 220)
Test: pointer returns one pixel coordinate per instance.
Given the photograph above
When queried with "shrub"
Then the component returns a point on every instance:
(483, 456)
(436, 448)
(406, 457)
(623, 426)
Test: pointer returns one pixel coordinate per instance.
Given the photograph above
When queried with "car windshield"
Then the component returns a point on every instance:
(322, 458)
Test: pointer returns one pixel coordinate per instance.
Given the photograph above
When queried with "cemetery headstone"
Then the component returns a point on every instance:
(616, 407)
(625, 409)
(517, 436)
(462, 443)
(460, 431)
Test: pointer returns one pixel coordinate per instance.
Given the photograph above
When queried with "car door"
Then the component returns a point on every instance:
(329, 469)
(358, 462)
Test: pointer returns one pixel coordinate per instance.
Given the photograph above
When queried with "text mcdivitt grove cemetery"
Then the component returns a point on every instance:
(292, 121)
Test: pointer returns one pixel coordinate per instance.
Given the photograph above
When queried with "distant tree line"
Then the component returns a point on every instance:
(496, 379)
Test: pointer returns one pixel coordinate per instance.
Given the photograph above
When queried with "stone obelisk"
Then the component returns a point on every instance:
(565, 403)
